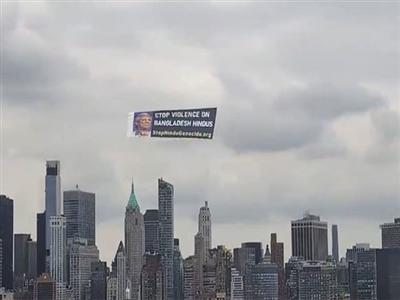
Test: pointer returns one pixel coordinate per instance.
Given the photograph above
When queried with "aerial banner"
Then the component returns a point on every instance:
(186, 123)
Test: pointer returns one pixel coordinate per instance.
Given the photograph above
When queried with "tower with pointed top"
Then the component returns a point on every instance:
(134, 242)
(205, 226)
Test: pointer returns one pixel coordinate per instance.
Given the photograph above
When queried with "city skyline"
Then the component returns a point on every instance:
(264, 242)
(308, 116)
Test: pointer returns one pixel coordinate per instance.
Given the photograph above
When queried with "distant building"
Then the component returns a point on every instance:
(335, 243)
(41, 243)
(166, 217)
(351, 254)
(120, 273)
(134, 243)
(391, 234)
(204, 222)
(80, 259)
(152, 230)
(310, 238)
(44, 288)
(1, 263)
(237, 286)
(32, 259)
(178, 272)
(191, 280)
(112, 289)
(277, 257)
(98, 280)
(58, 253)
(80, 211)
(311, 280)
(52, 198)
(264, 280)
(20, 259)
(223, 272)
(7, 237)
(388, 273)
(153, 281)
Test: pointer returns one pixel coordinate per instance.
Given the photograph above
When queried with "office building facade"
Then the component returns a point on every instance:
(310, 238)
(152, 231)
(391, 234)
(80, 211)
(7, 237)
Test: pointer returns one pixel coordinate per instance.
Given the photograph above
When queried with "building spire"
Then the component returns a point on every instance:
(132, 202)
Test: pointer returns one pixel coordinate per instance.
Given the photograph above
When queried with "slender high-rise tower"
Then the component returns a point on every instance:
(7, 237)
(205, 226)
(134, 243)
(335, 243)
(166, 217)
(52, 194)
(58, 244)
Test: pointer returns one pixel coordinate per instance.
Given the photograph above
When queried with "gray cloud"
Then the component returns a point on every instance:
(282, 76)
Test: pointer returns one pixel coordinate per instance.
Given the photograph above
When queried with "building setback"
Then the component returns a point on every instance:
(80, 211)
(310, 238)
(7, 237)
(166, 217)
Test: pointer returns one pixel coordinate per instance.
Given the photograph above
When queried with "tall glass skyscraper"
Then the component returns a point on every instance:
(80, 211)
(151, 229)
(166, 218)
(7, 237)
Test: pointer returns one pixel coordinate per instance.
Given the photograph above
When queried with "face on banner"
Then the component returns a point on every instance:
(142, 124)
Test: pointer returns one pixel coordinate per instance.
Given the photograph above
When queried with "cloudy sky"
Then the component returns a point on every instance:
(308, 112)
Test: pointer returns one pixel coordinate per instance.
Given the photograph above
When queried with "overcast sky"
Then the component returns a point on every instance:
(308, 112)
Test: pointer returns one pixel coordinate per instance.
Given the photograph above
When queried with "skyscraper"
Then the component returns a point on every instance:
(151, 230)
(20, 259)
(237, 286)
(335, 243)
(178, 272)
(391, 234)
(119, 272)
(388, 273)
(80, 211)
(310, 238)
(190, 279)
(134, 243)
(264, 281)
(153, 278)
(7, 237)
(205, 226)
(52, 194)
(41, 243)
(80, 259)
(58, 257)
(277, 257)
(98, 280)
(32, 259)
(166, 217)
(1, 263)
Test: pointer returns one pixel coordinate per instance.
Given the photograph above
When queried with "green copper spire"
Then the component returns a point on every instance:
(132, 203)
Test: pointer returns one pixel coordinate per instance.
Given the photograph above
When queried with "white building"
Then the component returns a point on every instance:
(58, 225)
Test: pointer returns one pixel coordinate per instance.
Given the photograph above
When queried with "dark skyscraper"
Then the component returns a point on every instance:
(178, 272)
(151, 229)
(258, 251)
(166, 218)
(98, 281)
(80, 211)
(391, 234)
(310, 238)
(335, 243)
(32, 259)
(41, 243)
(388, 273)
(20, 259)
(7, 236)
(1, 262)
